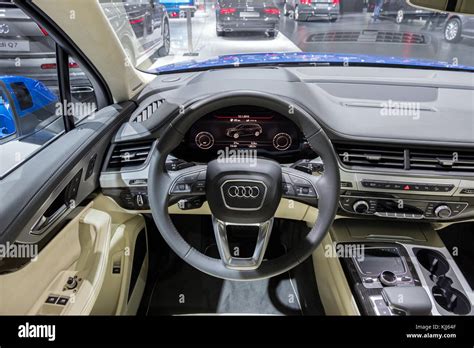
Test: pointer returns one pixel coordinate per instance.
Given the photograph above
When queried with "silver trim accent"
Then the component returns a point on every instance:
(374, 306)
(243, 180)
(439, 209)
(381, 106)
(358, 203)
(236, 263)
(142, 168)
(117, 179)
(386, 282)
(250, 192)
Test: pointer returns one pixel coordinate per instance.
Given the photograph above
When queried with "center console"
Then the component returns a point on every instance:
(375, 267)
(400, 269)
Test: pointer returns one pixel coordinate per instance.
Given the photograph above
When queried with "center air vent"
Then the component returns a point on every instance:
(374, 156)
(146, 113)
(361, 156)
(454, 161)
(129, 155)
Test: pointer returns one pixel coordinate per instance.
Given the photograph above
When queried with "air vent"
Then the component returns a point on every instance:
(146, 113)
(369, 36)
(405, 158)
(129, 155)
(380, 157)
(442, 160)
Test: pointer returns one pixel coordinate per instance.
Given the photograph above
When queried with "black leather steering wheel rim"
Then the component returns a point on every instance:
(159, 182)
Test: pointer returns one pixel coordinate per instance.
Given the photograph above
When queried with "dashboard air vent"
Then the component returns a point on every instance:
(146, 113)
(129, 155)
(442, 160)
(365, 156)
(373, 156)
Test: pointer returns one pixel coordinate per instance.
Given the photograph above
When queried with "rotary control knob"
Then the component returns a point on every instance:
(71, 283)
(388, 278)
(361, 207)
(443, 212)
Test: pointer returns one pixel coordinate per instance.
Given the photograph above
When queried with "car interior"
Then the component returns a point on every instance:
(299, 188)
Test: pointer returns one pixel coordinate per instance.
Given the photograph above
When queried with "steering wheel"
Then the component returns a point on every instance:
(243, 194)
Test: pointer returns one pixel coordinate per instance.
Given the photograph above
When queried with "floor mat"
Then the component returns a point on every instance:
(189, 291)
(177, 288)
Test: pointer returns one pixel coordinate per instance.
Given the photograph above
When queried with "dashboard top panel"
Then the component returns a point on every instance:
(350, 104)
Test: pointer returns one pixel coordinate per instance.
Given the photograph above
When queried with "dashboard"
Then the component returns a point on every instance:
(256, 130)
(391, 166)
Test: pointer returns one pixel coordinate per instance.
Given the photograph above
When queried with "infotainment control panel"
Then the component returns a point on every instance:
(365, 204)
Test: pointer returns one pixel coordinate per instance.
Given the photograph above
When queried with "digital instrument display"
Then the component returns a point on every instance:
(244, 128)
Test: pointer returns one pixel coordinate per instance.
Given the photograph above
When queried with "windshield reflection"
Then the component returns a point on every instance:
(383, 28)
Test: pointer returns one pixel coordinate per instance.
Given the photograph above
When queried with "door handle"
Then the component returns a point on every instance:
(81, 89)
(45, 222)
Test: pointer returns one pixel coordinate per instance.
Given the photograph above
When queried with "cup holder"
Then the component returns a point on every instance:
(449, 298)
(433, 261)
(446, 296)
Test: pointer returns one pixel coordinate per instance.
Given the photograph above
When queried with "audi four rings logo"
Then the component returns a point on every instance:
(243, 191)
(4, 29)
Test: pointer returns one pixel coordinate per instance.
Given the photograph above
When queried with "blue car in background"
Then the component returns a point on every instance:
(28, 110)
(174, 7)
(22, 38)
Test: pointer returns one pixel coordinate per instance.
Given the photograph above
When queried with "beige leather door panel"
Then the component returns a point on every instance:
(83, 253)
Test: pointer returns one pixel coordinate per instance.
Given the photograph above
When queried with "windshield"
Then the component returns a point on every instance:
(176, 35)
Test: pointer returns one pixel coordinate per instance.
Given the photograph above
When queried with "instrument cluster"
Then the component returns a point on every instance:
(228, 131)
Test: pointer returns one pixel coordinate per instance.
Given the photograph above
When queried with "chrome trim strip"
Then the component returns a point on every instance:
(236, 263)
(381, 106)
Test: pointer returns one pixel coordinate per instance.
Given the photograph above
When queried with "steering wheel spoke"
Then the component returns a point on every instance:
(262, 231)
